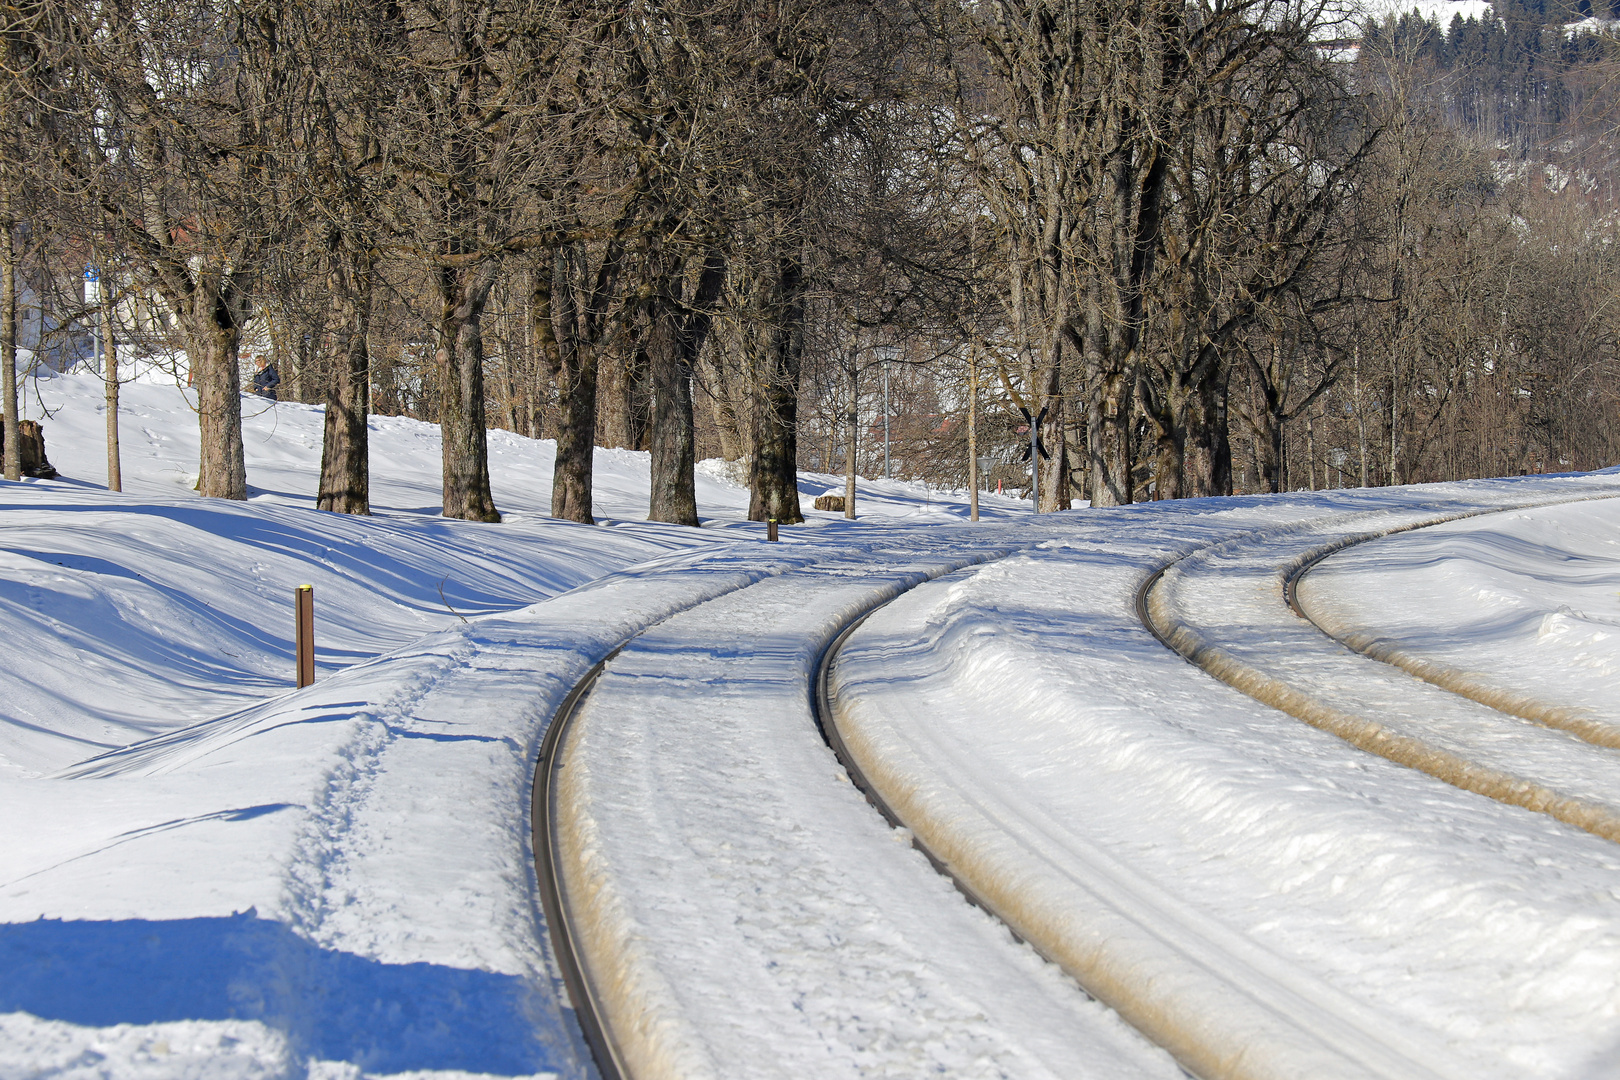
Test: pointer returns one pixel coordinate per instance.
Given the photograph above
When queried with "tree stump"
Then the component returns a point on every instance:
(835, 503)
(32, 449)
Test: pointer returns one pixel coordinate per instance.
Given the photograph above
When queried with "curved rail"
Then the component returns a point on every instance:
(1158, 963)
(1574, 721)
(593, 1017)
(821, 708)
(1362, 732)
(553, 900)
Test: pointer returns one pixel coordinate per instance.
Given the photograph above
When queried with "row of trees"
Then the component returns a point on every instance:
(1203, 245)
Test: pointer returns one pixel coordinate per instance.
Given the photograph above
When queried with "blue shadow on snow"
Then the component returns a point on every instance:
(332, 1006)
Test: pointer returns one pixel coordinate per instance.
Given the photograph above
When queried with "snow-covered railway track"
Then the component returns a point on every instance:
(553, 899)
(1490, 693)
(740, 911)
(1231, 609)
(730, 903)
(1187, 856)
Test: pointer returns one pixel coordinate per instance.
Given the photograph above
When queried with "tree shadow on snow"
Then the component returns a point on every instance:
(332, 1006)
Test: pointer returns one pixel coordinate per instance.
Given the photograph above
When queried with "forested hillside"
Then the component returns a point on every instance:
(1210, 247)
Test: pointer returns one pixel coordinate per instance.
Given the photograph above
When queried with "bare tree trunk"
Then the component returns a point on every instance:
(625, 399)
(852, 436)
(1055, 467)
(1361, 415)
(677, 336)
(973, 434)
(1208, 463)
(8, 337)
(672, 434)
(774, 478)
(345, 485)
(673, 497)
(1109, 435)
(1394, 426)
(572, 362)
(1310, 448)
(211, 323)
(1166, 402)
(1170, 463)
(460, 363)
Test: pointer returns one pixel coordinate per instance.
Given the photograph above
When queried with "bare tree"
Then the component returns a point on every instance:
(177, 142)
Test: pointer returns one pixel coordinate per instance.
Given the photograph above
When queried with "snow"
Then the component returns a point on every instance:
(197, 904)
(1235, 878)
(207, 873)
(1518, 600)
(736, 863)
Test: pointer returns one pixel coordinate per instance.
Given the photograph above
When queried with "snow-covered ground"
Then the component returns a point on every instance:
(338, 874)
(206, 873)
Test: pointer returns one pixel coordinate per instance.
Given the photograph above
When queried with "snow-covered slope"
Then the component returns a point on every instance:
(153, 609)
(329, 879)
(205, 873)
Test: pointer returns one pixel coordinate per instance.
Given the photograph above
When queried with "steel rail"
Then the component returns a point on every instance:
(605, 1050)
(825, 713)
(1456, 681)
(822, 710)
(553, 898)
(1410, 751)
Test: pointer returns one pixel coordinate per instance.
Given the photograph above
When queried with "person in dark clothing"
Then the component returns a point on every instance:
(266, 381)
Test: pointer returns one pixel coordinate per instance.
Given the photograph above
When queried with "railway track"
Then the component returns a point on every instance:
(621, 1044)
(1293, 1022)
(1502, 745)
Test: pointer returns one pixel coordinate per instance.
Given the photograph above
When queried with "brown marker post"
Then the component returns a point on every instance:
(770, 530)
(304, 632)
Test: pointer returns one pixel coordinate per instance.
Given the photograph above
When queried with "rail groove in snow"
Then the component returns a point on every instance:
(1157, 608)
(592, 1006)
(1577, 722)
(1221, 1007)
(606, 986)
(588, 1009)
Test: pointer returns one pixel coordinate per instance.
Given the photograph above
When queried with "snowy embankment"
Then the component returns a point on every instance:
(1262, 897)
(332, 879)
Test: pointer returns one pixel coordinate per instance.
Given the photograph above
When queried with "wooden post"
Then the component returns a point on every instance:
(304, 632)
(770, 530)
